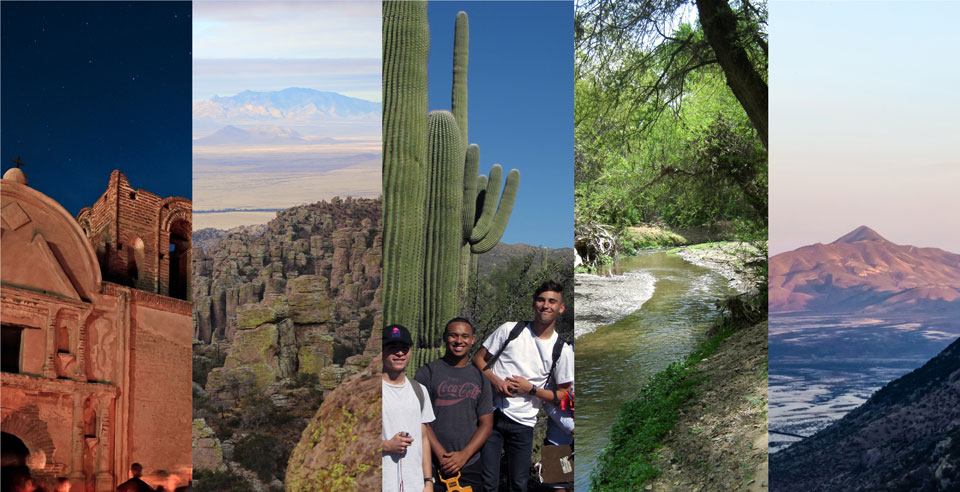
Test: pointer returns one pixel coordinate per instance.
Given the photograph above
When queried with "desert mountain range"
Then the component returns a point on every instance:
(863, 272)
(287, 104)
(259, 135)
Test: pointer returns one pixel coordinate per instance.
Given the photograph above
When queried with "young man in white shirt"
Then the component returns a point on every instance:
(522, 369)
(406, 413)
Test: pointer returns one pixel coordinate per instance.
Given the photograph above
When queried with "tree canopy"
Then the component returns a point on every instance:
(618, 39)
(670, 112)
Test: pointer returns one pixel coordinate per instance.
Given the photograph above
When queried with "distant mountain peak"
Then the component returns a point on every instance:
(862, 233)
(863, 272)
(294, 106)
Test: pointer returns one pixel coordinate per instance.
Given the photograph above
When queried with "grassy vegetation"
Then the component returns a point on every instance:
(639, 237)
(642, 423)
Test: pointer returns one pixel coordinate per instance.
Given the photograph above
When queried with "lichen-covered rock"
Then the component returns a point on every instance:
(231, 384)
(308, 298)
(287, 355)
(250, 316)
(340, 448)
(256, 349)
(207, 452)
(331, 376)
(316, 356)
(203, 327)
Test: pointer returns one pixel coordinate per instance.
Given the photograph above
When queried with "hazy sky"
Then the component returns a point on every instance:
(265, 46)
(521, 104)
(863, 114)
(89, 87)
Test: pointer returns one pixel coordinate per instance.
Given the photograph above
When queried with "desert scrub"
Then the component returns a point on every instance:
(219, 481)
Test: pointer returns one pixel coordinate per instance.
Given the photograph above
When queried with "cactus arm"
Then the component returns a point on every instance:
(490, 198)
(481, 188)
(502, 216)
(461, 55)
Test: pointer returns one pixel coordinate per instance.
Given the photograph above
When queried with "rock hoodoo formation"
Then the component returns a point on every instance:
(283, 315)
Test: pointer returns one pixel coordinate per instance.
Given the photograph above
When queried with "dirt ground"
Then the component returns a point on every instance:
(720, 441)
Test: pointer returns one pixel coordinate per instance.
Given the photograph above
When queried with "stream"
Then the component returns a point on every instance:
(633, 319)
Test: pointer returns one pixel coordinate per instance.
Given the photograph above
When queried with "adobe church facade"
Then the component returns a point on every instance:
(96, 335)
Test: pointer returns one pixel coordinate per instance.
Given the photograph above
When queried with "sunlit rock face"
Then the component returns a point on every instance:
(96, 336)
(863, 272)
(340, 449)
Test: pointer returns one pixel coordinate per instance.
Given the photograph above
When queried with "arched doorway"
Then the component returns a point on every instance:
(14, 451)
(20, 468)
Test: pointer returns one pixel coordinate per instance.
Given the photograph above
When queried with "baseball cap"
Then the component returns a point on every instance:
(397, 333)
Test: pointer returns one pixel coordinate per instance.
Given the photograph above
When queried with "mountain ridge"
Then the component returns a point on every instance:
(862, 271)
(272, 135)
(905, 437)
(291, 104)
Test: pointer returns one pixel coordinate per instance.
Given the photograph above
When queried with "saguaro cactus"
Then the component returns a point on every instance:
(439, 212)
(444, 230)
(406, 43)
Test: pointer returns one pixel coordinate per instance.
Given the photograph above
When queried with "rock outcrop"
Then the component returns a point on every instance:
(287, 316)
(302, 296)
(340, 449)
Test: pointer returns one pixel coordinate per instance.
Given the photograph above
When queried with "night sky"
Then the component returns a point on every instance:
(89, 87)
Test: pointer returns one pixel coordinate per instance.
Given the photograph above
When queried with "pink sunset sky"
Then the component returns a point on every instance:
(865, 122)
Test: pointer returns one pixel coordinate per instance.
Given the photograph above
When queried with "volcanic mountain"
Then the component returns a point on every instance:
(905, 437)
(863, 272)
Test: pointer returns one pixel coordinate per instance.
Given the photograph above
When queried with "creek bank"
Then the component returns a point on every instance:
(701, 423)
(729, 259)
(720, 439)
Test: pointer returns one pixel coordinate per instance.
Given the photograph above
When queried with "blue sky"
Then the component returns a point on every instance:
(521, 104)
(863, 118)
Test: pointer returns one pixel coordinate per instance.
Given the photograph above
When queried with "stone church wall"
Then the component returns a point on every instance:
(100, 371)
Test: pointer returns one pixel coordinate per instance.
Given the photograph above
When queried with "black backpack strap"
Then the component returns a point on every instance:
(514, 333)
(419, 391)
(557, 350)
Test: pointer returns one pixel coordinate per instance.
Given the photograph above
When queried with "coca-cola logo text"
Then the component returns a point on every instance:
(449, 393)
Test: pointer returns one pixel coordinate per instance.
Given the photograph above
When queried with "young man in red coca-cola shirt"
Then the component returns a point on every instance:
(463, 404)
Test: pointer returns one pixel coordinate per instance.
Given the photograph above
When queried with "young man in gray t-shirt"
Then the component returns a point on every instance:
(463, 405)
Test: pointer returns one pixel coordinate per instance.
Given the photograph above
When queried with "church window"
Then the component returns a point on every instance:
(10, 339)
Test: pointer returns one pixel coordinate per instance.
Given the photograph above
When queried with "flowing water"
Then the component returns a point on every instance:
(633, 319)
